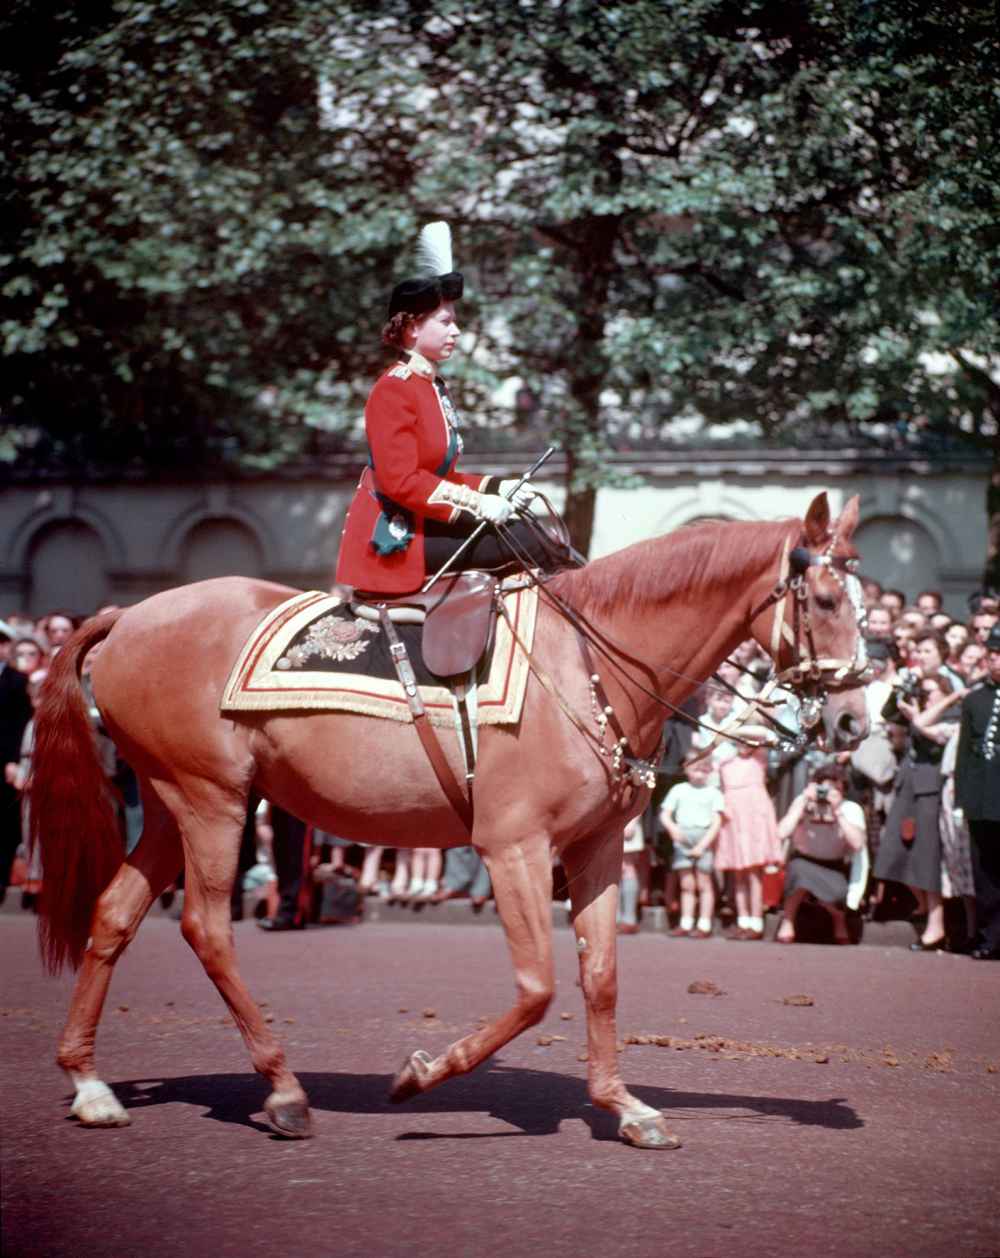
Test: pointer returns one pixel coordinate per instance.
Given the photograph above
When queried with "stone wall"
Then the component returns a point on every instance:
(80, 546)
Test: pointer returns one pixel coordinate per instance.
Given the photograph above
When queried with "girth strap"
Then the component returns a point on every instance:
(425, 731)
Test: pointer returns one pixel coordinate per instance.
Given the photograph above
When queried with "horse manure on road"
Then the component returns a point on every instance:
(704, 987)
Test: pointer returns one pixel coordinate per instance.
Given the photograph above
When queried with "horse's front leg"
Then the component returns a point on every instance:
(593, 868)
(522, 884)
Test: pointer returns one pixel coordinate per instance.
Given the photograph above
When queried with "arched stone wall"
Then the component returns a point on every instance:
(899, 553)
(67, 568)
(922, 524)
(219, 547)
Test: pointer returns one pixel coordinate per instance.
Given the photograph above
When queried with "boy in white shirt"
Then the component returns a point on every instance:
(692, 815)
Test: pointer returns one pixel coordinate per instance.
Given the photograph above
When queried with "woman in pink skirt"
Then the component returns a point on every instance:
(749, 837)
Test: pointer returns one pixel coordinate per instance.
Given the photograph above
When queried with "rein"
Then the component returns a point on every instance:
(808, 672)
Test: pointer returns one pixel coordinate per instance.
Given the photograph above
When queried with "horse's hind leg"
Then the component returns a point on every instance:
(522, 884)
(212, 831)
(593, 869)
(119, 911)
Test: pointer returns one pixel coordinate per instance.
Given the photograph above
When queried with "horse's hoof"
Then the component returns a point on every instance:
(648, 1133)
(95, 1105)
(290, 1119)
(413, 1079)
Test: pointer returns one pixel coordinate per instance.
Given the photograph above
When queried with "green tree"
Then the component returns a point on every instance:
(179, 283)
(776, 217)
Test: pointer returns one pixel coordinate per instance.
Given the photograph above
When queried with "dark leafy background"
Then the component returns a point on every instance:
(746, 222)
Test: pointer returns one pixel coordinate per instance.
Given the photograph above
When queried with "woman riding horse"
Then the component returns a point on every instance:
(412, 510)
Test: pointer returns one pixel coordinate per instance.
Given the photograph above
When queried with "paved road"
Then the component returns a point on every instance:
(865, 1123)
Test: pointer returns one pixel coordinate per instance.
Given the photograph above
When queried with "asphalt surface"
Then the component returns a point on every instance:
(864, 1123)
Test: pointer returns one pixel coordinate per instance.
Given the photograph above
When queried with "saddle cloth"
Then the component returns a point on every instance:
(311, 653)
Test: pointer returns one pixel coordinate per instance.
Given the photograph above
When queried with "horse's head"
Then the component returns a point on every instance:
(817, 631)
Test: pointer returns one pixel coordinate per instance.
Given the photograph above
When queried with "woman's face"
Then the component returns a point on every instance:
(27, 657)
(927, 655)
(956, 636)
(435, 335)
(58, 630)
(971, 659)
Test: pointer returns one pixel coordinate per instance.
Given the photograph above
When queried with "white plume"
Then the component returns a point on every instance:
(434, 250)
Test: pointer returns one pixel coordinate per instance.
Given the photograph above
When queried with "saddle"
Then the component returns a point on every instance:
(458, 615)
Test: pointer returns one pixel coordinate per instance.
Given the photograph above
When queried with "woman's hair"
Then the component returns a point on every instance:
(939, 680)
(835, 773)
(394, 332)
(935, 636)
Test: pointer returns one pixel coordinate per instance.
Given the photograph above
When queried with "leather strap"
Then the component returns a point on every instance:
(425, 731)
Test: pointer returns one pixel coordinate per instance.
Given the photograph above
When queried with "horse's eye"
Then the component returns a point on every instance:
(826, 601)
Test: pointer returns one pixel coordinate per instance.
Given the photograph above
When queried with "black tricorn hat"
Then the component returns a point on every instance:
(436, 281)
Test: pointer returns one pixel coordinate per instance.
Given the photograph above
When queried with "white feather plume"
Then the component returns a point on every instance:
(434, 250)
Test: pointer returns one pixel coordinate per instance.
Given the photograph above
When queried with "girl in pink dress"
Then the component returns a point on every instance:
(749, 837)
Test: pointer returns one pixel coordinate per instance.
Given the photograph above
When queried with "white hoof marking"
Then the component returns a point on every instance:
(95, 1105)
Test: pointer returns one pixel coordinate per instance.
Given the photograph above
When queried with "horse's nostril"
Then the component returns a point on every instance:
(848, 727)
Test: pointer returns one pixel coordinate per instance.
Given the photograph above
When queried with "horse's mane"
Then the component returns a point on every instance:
(647, 573)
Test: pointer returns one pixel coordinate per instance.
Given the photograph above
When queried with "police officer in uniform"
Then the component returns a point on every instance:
(413, 509)
(977, 793)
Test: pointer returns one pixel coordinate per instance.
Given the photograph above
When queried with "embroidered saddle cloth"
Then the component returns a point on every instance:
(312, 653)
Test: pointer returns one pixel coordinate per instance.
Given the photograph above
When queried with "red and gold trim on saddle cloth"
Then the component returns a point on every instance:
(256, 684)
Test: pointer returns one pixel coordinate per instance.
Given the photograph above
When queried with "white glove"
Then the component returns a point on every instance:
(495, 509)
(522, 497)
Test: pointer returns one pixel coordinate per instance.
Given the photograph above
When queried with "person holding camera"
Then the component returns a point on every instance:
(822, 830)
(910, 847)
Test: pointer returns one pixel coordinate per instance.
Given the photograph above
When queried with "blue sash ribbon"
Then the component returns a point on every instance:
(394, 527)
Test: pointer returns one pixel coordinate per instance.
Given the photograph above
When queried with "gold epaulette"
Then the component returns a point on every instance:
(401, 371)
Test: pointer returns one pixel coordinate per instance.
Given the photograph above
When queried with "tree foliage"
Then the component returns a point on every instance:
(778, 217)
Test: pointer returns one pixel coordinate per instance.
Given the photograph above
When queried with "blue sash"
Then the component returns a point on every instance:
(394, 527)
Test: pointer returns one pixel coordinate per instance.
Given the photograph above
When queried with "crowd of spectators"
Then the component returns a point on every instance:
(735, 832)
(826, 840)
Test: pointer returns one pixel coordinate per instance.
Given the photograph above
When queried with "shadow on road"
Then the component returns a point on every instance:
(535, 1101)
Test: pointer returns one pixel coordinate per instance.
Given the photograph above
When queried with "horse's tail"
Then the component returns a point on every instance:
(73, 817)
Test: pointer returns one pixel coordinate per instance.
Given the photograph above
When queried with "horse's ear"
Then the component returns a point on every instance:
(848, 520)
(817, 521)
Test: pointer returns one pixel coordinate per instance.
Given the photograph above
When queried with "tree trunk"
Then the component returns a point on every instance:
(588, 370)
(579, 509)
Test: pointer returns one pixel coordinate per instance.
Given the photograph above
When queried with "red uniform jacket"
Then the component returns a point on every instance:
(412, 476)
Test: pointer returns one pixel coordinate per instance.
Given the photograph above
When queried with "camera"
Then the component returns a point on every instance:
(909, 685)
(822, 792)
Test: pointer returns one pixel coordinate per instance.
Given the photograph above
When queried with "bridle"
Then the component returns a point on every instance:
(811, 677)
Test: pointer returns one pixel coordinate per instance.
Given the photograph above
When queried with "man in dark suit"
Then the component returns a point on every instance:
(15, 712)
(977, 793)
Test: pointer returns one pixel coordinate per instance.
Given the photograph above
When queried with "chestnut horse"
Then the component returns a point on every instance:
(675, 607)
